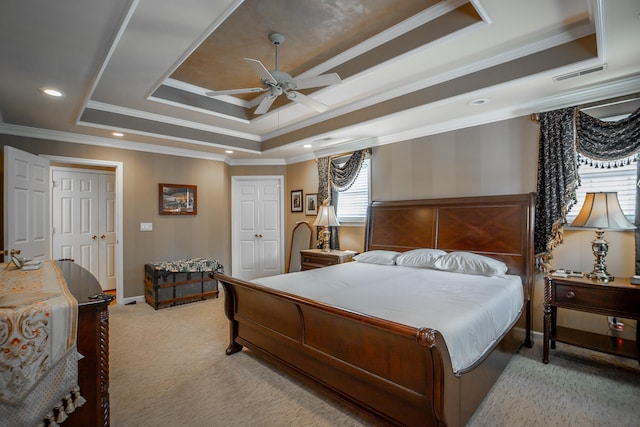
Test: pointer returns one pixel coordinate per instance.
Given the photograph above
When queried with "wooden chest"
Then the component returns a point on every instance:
(165, 288)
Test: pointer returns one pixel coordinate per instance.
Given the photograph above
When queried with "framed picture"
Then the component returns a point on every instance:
(296, 201)
(311, 204)
(178, 199)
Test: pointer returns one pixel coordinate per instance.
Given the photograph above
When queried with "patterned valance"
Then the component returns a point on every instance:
(336, 175)
(607, 142)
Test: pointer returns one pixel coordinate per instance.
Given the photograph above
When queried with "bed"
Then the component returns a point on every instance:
(399, 374)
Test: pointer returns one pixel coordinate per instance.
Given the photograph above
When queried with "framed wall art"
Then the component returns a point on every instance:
(296, 201)
(178, 199)
(311, 204)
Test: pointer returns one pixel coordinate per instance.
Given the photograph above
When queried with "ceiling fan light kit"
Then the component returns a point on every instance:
(277, 82)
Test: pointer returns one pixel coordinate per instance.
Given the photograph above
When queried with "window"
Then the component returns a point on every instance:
(353, 203)
(621, 180)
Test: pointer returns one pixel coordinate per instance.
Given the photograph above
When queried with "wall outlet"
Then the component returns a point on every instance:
(146, 226)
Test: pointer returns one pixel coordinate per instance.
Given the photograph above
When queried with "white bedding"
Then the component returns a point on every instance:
(470, 311)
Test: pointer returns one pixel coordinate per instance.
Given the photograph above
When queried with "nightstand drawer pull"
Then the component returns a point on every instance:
(571, 295)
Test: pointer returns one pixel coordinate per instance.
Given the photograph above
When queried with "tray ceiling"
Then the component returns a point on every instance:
(408, 69)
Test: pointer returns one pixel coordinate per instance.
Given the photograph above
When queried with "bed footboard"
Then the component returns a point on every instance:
(398, 374)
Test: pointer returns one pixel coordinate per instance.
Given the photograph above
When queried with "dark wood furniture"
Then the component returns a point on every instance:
(166, 289)
(93, 344)
(317, 258)
(618, 298)
(398, 374)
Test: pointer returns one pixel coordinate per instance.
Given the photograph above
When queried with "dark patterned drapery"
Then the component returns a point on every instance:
(334, 178)
(569, 136)
(557, 180)
(607, 141)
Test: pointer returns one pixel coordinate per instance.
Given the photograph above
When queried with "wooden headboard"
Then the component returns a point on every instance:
(497, 226)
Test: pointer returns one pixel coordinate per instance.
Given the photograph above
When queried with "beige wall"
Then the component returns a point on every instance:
(498, 158)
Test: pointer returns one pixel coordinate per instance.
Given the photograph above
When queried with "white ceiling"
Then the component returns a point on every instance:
(113, 60)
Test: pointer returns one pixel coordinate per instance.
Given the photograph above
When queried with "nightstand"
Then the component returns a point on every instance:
(317, 258)
(618, 298)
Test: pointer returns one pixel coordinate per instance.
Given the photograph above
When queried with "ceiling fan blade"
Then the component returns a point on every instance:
(265, 104)
(317, 81)
(307, 100)
(235, 91)
(262, 71)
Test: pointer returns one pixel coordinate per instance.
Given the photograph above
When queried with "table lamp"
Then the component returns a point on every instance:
(326, 218)
(601, 211)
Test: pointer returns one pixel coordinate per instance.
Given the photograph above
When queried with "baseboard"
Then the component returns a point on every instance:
(131, 300)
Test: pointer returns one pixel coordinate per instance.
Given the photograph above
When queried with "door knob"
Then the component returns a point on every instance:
(103, 237)
(94, 237)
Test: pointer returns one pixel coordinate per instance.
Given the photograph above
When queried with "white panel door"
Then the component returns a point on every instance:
(26, 204)
(107, 251)
(257, 218)
(271, 212)
(84, 224)
(75, 202)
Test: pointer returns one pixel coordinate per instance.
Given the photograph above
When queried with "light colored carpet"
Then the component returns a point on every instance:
(168, 368)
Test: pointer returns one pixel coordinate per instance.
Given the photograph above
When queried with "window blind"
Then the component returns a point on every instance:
(353, 203)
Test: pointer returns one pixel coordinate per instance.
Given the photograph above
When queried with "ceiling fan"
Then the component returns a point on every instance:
(276, 83)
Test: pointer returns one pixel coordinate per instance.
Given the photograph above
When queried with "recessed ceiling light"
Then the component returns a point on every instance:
(117, 134)
(307, 145)
(51, 91)
(228, 151)
(478, 101)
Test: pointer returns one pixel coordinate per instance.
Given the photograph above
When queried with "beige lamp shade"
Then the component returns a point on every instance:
(326, 217)
(602, 210)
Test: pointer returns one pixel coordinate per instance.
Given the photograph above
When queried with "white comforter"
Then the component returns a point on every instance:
(471, 312)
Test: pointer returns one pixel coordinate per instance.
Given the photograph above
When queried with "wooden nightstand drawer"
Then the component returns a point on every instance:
(598, 299)
(317, 258)
(318, 261)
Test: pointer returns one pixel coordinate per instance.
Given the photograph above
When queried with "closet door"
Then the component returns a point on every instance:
(107, 249)
(83, 221)
(257, 221)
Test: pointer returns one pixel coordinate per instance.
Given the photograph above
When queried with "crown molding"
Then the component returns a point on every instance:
(75, 138)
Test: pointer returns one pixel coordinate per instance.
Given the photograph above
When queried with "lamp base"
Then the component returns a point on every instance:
(600, 276)
(600, 247)
(325, 235)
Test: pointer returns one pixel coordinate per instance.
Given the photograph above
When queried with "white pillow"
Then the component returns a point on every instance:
(470, 263)
(420, 258)
(378, 257)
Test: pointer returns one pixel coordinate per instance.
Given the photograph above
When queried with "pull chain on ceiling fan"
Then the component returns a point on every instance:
(276, 83)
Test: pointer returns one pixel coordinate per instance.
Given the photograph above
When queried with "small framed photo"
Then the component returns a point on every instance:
(178, 199)
(296, 201)
(311, 204)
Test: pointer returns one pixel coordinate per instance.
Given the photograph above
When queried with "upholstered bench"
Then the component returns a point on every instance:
(172, 283)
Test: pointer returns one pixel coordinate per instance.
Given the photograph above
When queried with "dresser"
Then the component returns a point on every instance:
(93, 344)
(618, 298)
(317, 258)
